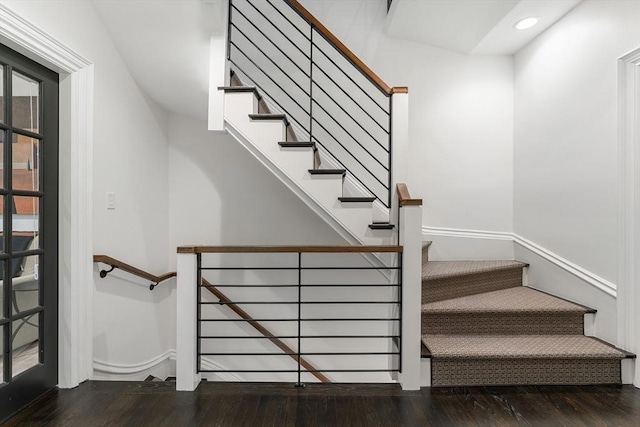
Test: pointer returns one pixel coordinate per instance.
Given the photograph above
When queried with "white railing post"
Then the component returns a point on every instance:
(410, 223)
(399, 140)
(218, 72)
(187, 379)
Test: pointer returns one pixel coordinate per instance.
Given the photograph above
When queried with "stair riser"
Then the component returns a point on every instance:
(459, 286)
(485, 372)
(503, 324)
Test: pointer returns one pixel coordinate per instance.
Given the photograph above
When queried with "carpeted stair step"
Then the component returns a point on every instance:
(466, 360)
(453, 279)
(513, 311)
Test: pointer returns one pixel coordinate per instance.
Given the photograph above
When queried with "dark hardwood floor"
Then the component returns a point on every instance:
(244, 404)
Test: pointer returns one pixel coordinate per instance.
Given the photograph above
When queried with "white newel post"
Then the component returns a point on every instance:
(411, 240)
(186, 377)
(399, 141)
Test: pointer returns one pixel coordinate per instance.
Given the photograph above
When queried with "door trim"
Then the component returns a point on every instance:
(629, 203)
(75, 309)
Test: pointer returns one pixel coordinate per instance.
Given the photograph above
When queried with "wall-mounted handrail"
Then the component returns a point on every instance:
(264, 331)
(114, 263)
(404, 198)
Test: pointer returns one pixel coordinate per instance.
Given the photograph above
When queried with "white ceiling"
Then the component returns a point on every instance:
(165, 43)
(473, 26)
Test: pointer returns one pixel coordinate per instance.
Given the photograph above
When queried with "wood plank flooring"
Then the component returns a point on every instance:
(245, 404)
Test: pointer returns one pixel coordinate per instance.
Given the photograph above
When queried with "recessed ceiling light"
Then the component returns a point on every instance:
(525, 23)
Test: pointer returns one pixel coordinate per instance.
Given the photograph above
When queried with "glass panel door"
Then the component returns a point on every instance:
(28, 230)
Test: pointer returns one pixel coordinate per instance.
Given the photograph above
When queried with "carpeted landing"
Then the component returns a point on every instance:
(482, 327)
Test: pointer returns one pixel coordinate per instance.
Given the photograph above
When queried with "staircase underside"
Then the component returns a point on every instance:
(482, 327)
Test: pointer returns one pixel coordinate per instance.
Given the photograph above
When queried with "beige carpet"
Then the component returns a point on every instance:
(482, 327)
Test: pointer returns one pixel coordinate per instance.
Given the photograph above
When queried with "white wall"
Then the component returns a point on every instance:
(565, 158)
(130, 159)
(220, 195)
(460, 120)
(565, 154)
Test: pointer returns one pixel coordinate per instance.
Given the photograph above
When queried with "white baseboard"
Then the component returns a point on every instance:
(458, 244)
(425, 372)
(582, 273)
(161, 366)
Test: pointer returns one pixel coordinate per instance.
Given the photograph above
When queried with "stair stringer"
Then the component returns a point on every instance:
(320, 193)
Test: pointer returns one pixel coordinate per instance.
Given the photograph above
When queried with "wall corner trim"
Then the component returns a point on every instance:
(75, 345)
(582, 273)
(566, 265)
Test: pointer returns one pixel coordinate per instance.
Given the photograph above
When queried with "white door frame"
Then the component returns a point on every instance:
(629, 202)
(75, 339)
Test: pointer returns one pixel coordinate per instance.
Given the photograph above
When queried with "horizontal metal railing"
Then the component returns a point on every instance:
(328, 94)
(303, 319)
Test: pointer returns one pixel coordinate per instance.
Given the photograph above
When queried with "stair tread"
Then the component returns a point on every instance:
(519, 347)
(356, 199)
(295, 144)
(268, 116)
(442, 269)
(511, 300)
(381, 226)
(327, 171)
(238, 88)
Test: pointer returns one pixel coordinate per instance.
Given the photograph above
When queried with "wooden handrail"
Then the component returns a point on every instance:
(331, 38)
(264, 331)
(404, 198)
(287, 249)
(114, 263)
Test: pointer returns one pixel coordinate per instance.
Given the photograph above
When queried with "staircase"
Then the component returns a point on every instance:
(316, 116)
(481, 326)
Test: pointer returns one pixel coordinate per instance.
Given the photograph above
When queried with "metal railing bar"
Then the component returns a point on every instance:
(348, 336)
(254, 371)
(271, 60)
(269, 77)
(356, 122)
(390, 151)
(306, 337)
(269, 39)
(341, 285)
(295, 268)
(278, 28)
(350, 78)
(294, 302)
(292, 24)
(373, 353)
(350, 370)
(349, 96)
(261, 286)
(345, 167)
(333, 319)
(221, 337)
(238, 67)
(352, 137)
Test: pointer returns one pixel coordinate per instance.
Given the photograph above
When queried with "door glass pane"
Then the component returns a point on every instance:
(2, 138)
(2, 264)
(25, 163)
(25, 283)
(26, 213)
(25, 107)
(1, 94)
(25, 344)
(2, 354)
